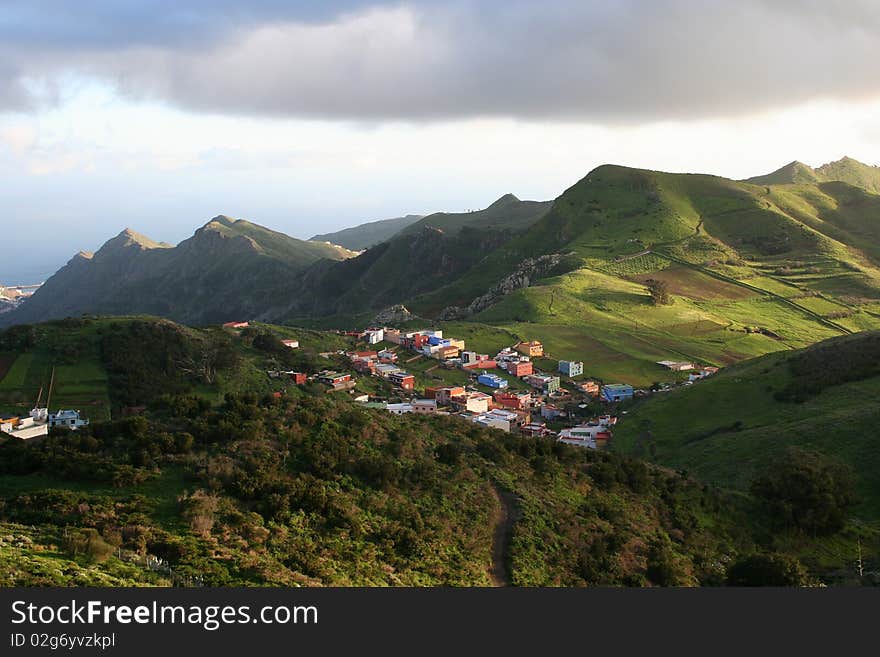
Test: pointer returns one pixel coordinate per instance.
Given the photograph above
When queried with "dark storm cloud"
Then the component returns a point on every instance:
(622, 60)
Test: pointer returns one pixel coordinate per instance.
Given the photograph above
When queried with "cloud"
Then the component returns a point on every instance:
(612, 62)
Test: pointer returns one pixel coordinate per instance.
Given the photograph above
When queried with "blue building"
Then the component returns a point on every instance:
(615, 392)
(492, 380)
(571, 368)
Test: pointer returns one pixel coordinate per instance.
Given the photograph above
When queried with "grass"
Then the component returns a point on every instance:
(17, 373)
(726, 428)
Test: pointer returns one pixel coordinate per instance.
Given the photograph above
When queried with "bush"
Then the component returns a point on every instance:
(767, 570)
(807, 491)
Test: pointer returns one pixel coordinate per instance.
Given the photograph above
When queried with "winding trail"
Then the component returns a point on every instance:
(507, 517)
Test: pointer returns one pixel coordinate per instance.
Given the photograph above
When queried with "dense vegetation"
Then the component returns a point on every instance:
(317, 491)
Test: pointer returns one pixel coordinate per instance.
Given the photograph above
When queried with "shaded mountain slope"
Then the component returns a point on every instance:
(227, 269)
(369, 234)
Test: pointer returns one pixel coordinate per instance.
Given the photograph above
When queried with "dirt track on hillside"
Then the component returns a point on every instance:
(507, 517)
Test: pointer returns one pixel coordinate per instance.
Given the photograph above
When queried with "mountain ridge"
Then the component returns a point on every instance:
(846, 170)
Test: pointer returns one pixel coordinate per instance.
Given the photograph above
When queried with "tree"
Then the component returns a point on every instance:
(772, 569)
(659, 292)
(807, 490)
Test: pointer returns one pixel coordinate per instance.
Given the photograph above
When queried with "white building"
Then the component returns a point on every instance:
(67, 419)
(585, 435)
(498, 419)
(374, 336)
(399, 409)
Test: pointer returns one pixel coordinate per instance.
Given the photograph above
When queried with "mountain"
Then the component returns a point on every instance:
(507, 213)
(366, 235)
(424, 256)
(228, 269)
(845, 170)
(746, 270)
(726, 428)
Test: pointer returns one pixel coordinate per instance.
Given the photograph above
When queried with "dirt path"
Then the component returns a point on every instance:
(508, 515)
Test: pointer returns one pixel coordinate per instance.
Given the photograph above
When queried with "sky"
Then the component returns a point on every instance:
(308, 117)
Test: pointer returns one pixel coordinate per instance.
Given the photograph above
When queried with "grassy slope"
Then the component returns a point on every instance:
(799, 261)
(725, 428)
(846, 170)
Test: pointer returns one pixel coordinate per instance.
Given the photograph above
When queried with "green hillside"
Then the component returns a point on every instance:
(749, 271)
(230, 485)
(366, 235)
(846, 170)
(728, 427)
(104, 365)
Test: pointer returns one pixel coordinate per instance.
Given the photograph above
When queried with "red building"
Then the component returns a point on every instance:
(523, 368)
(517, 401)
(299, 378)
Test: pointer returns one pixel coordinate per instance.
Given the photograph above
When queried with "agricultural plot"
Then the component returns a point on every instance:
(686, 282)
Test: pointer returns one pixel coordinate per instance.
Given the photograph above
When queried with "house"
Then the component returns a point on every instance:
(292, 344)
(424, 406)
(236, 325)
(364, 366)
(517, 401)
(520, 368)
(547, 384)
(399, 409)
(33, 426)
(67, 419)
(444, 395)
(497, 419)
(615, 392)
(374, 336)
(585, 435)
(502, 419)
(571, 368)
(299, 378)
(492, 380)
(532, 349)
(392, 336)
(361, 399)
(472, 402)
(386, 356)
(331, 378)
(551, 412)
(473, 357)
(385, 370)
(676, 365)
(445, 352)
(606, 420)
(536, 430)
(402, 379)
(480, 365)
(590, 388)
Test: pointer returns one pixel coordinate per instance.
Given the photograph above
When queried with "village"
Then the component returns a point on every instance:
(505, 391)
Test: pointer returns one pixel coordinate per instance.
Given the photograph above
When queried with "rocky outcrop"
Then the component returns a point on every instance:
(526, 273)
(393, 316)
